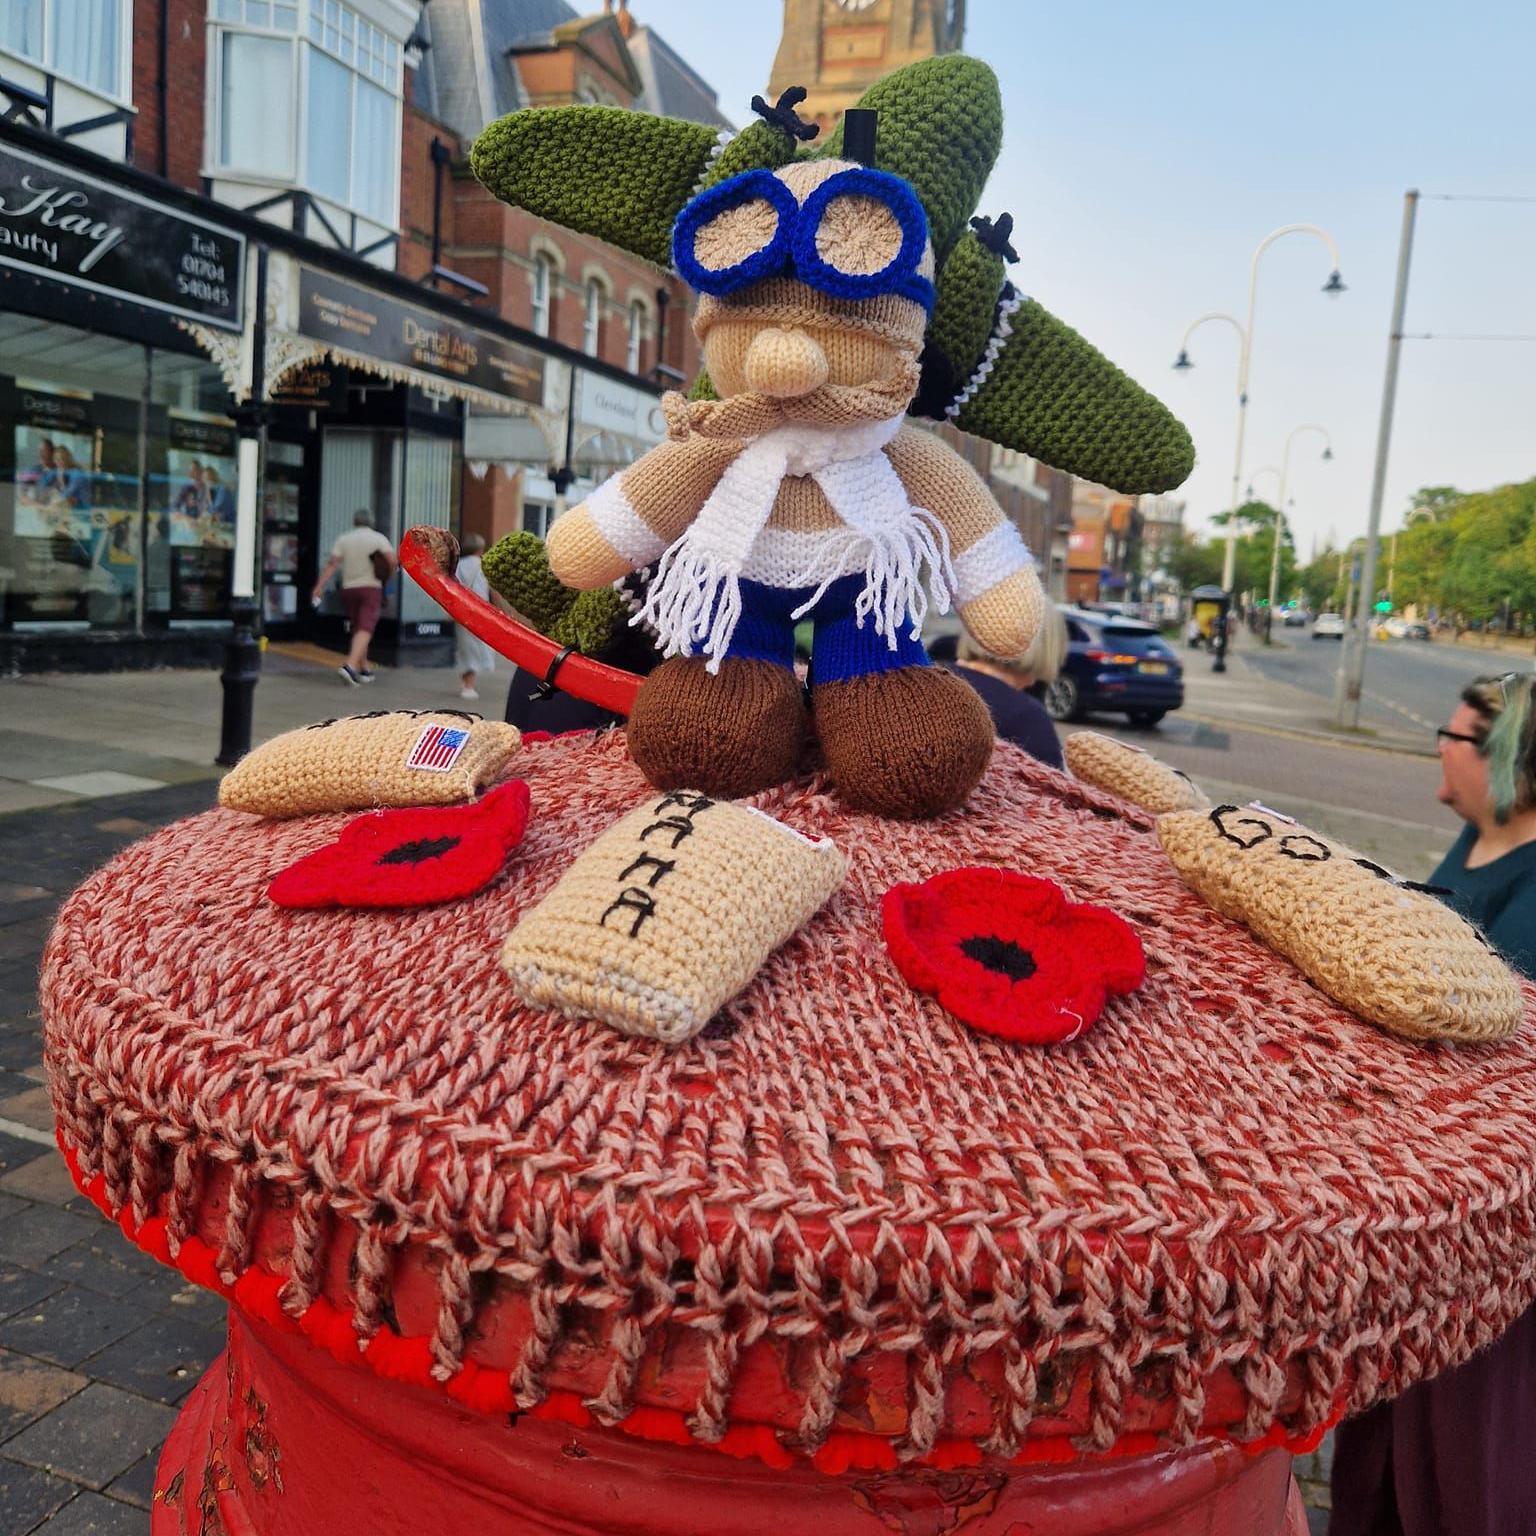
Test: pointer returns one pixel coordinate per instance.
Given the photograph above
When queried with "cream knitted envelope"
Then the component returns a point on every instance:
(669, 914)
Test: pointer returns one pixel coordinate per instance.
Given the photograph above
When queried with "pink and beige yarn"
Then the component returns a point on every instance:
(837, 1217)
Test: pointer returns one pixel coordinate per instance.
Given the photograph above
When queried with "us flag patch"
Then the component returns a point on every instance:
(437, 749)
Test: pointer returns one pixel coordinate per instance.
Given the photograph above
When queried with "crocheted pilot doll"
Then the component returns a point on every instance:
(834, 296)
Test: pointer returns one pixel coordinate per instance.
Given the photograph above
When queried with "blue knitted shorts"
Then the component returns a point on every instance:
(840, 650)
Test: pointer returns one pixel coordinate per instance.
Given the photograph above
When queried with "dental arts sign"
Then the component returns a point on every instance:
(72, 228)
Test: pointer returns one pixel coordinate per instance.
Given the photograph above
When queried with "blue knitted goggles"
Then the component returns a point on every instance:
(750, 227)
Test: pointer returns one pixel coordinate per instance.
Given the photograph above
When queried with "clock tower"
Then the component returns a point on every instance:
(836, 49)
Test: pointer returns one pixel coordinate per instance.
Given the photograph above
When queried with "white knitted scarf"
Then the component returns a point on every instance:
(694, 600)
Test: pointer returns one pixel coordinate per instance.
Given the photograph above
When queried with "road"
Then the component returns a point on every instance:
(1409, 685)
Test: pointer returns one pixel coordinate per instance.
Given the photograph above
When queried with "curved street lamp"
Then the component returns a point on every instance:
(1333, 287)
(1285, 469)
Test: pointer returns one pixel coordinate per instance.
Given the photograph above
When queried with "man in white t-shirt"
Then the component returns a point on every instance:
(362, 592)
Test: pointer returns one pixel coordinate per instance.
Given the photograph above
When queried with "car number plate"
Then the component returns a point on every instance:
(1155, 668)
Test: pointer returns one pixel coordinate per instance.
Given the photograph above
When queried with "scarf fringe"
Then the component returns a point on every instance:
(694, 601)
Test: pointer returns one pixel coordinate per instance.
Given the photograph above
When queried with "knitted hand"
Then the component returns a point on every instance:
(518, 567)
(1003, 620)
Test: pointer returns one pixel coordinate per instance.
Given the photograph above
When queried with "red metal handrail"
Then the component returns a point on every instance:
(429, 556)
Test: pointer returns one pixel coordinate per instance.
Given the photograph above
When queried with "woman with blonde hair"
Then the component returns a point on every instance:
(1010, 686)
(1451, 1456)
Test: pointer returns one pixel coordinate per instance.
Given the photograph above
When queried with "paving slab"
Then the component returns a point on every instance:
(29, 1389)
(28, 1495)
(93, 1437)
(68, 1327)
(91, 1514)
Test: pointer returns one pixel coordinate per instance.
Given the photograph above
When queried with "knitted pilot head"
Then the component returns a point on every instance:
(815, 284)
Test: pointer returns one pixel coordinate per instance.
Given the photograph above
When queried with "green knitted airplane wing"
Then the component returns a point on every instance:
(940, 127)
(619, 176)
(1054, 396)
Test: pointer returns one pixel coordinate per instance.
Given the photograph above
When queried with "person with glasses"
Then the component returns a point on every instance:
(1452, 1456)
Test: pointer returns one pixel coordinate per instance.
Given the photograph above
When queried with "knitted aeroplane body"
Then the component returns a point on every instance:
(835, 297)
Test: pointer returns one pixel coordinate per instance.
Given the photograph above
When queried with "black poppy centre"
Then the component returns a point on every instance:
(420, 849)
(1000, 955)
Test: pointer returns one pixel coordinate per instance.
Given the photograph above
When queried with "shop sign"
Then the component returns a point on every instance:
(313, 386)
(345, 315)
(613, 407)
(75, 229)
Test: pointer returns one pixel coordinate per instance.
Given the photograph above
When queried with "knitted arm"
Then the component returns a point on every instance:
(634, 515)
(997, 593)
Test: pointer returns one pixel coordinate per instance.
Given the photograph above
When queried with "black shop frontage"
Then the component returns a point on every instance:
(150, 339)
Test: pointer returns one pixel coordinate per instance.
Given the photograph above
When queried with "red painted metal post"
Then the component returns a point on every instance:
(279, 1439)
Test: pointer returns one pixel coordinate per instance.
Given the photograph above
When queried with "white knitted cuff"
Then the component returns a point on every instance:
(991, 559)
(621, 525)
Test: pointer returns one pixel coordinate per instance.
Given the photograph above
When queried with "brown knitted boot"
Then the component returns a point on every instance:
(912, 742)
(730, 734)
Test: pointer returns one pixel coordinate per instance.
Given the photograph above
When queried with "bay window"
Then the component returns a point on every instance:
(82, 41)
(309, 92)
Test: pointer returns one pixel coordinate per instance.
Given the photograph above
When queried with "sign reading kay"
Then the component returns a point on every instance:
(75, 229)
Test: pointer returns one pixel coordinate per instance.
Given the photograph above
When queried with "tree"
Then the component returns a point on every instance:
(1438, 501)
(1192, 563)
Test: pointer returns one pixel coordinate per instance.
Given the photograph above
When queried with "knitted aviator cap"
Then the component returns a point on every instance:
(998, 364)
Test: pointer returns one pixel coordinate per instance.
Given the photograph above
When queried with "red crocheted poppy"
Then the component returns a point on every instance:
(410, 858)
(1009, 954)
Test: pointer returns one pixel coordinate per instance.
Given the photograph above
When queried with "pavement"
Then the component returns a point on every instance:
(98, 1343)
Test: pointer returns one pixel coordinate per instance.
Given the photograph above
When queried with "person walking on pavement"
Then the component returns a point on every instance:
(366, 560)
(471, 653)
(1451, 1456)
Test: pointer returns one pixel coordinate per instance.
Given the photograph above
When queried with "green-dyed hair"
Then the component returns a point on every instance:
(1506, 705)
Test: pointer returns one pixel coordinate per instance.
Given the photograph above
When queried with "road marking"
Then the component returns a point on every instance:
(1417, 719)
(26, 1132)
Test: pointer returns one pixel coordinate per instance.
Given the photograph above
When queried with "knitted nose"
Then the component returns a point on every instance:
(784, 364)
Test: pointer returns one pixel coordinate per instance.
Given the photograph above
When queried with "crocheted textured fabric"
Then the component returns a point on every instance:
(1229, 1207)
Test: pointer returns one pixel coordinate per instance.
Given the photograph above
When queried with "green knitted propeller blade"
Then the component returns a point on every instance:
(1055, 397)
(620, 176)
(940, 127)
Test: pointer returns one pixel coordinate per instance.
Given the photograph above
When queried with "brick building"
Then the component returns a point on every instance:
(421, 349)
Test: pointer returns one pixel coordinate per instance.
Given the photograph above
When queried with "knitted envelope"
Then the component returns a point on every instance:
(395, 757)
(1389, 951)
(1131, 773)
(996, 363)
(669, 914)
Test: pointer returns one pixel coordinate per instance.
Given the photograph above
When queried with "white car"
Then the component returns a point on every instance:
(1328, 626)
(1397, 629)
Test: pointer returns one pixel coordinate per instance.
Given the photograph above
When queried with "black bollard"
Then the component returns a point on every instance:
(242, 666)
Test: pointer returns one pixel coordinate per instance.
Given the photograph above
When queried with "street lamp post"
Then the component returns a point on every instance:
(1285, 470)
(1334, 286)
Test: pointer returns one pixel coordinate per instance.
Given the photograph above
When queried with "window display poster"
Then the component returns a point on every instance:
(200, 481)
(282, 554)
(83, 522)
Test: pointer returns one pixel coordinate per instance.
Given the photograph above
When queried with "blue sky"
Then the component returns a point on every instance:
(1148, 148)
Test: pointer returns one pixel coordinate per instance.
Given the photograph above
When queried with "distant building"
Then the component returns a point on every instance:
(1103, 558)
(419, 339)
(836, 49)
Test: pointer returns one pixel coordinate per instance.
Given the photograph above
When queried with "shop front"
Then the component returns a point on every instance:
(117, 461)
(365, 397)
